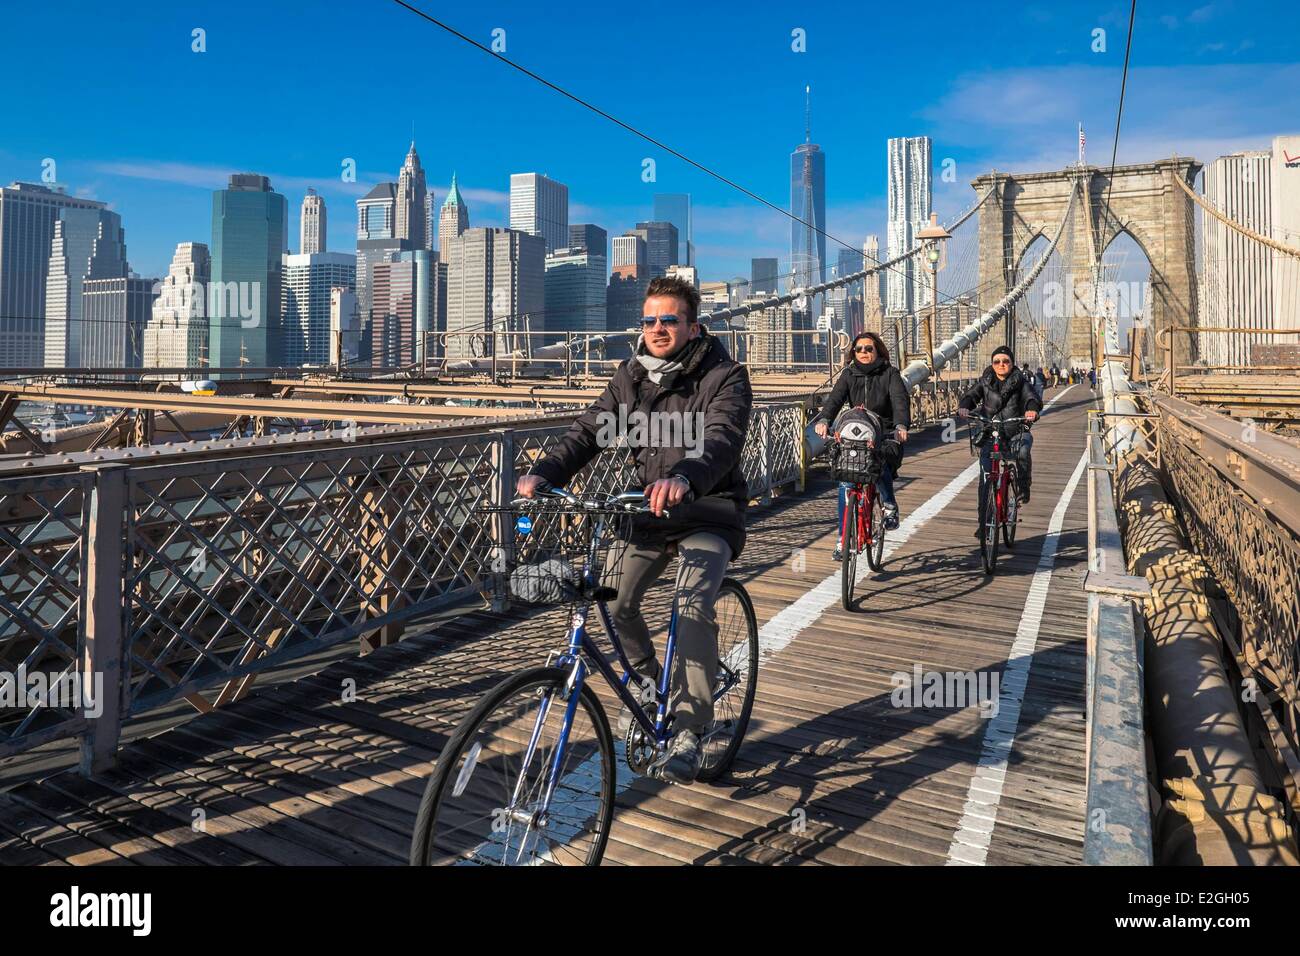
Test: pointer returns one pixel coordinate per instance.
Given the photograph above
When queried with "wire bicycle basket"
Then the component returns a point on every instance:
(981, 433)
(561, 553)
(855, 462)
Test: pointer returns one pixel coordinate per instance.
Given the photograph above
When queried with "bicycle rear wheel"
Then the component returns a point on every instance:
(737, 680)
(483, 802)
(989, 533)
(876, 537)
(849, 551)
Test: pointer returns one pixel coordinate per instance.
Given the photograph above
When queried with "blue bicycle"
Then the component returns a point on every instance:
(529, 777)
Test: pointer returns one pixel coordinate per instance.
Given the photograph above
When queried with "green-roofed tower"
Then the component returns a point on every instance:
(453, 220)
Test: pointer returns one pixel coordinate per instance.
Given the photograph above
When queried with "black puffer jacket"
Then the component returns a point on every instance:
(1009, 398)
(878, 387)
(710, 383)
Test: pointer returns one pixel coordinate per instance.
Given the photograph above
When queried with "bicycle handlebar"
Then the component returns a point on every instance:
(976, 416)
(632, 502)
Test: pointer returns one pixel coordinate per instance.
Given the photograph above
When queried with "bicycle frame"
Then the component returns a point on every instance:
(1000, 472)
(579, 642)
(863, 497)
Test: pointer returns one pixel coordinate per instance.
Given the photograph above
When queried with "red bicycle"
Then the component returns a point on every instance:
(1001, 502)
(862, 530)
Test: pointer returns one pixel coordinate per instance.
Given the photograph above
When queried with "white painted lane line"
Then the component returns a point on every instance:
(970, 845)
(787, 623)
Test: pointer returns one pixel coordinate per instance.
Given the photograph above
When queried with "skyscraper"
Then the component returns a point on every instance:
(416, 284)
(808, 206)
(1244, 284)
(28, 212)
(249, 240)
(583, 235)
(377, 212)
(1284, 177)
(763, 276)
(177, 333)
(624, 298)
(376, 242)
(909, 212)
(311, 226)
(661, 242)
(392, 317)
(495, 281)
(452, 221)
(430, 221)
(629, 250)
(411, 215)
(345, 328)
(114, 313)
(850, 261)
(575, 292)
(873, 302)
(308, 281)
(540, 207)
(676, 208)
(76, 232)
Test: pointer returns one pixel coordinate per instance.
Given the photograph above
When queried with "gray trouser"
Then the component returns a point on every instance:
(704, 559)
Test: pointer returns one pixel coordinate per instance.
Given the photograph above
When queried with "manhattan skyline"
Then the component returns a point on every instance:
(1011, 102)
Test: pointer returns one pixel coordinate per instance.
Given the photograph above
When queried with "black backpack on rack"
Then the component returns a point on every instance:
(856, 451)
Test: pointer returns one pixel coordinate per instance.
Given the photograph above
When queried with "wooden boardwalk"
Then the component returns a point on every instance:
(831, 771)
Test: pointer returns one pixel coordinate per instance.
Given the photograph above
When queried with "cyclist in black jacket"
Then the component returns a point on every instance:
(869, 381)
(1004, 392)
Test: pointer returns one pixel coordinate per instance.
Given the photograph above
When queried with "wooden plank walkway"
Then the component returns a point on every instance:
(831, 772)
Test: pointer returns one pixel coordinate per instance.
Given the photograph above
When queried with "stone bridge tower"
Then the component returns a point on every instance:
(1144, 201)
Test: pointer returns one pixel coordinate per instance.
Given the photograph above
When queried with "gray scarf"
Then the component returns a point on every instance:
(657, 368)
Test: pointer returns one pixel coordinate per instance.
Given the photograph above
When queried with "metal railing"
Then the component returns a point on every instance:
(587, 353)
(1164, 340)
(163, 579)
(1118, 824)
(1238, 489)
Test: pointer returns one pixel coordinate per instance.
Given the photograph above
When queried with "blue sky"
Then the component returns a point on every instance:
(131, 115)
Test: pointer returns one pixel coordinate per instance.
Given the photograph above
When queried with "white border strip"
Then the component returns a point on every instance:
(970, 845)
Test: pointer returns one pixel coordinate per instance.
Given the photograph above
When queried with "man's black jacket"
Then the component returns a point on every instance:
(1009, 398)
(711, 388)
(878, 387)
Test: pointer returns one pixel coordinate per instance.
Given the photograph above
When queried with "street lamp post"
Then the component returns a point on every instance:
(933, 238)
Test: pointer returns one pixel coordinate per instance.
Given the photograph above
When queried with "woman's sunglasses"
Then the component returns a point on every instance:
(1001, 361)
(865, 350)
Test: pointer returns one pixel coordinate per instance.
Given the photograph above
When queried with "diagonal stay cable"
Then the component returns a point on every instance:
(618, 122)
(889, 266)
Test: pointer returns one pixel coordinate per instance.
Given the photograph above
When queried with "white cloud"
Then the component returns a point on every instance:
(201, 176)
(1026, 119)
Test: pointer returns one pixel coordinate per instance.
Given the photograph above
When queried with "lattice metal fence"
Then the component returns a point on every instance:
(235, 565)
(1256, 560)
(212, 570)
(43, 528)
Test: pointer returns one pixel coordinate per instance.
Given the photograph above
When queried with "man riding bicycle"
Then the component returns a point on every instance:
(869, 381)
(1003, 392)
(703, 398)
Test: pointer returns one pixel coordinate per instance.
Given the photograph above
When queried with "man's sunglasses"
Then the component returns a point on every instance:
(1002, 361)
(669, 321)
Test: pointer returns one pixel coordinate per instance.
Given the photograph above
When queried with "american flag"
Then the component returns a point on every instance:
(1082, 142)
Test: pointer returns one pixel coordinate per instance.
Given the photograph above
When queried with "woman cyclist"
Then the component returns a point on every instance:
(869, 381)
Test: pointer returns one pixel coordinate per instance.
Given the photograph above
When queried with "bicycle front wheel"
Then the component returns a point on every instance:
(876, 542)
(1013, 512)
(737, 680)
(487, 801)
(849, 552)
(989, 536)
